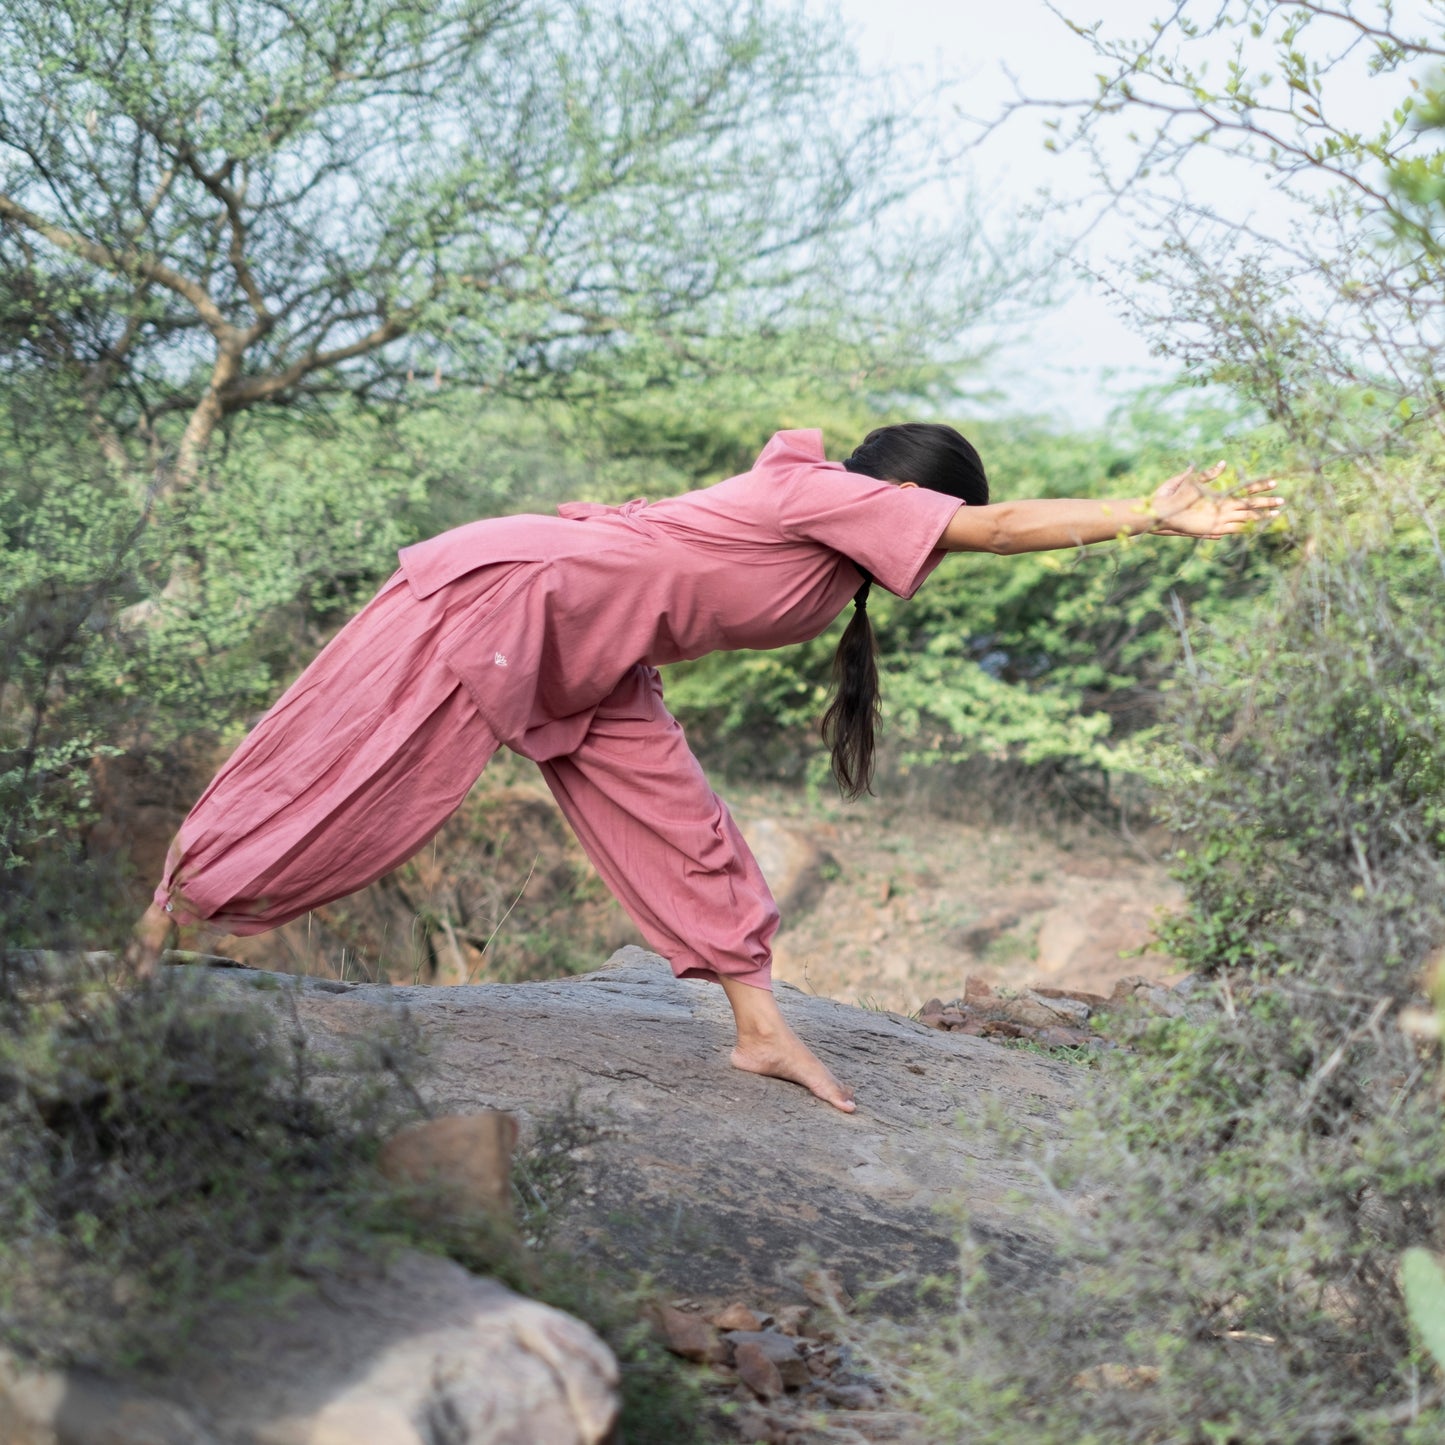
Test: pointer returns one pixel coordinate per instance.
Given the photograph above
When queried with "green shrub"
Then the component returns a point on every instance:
(1309, 785)
(161, 1144)
(1240, 1185)
(167, 1145)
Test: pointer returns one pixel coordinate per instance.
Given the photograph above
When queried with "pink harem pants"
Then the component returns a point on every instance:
(376, 744)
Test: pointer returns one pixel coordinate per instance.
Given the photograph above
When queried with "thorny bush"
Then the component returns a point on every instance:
(1237, 1192)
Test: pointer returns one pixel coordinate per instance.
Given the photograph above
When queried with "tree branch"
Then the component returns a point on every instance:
(132, 263)
(248, 392)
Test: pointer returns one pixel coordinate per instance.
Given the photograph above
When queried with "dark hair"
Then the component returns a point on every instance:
(938, 458)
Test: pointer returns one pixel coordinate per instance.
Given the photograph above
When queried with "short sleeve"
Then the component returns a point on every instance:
(892, 531)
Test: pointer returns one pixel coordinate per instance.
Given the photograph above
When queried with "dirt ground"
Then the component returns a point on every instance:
(910, 904)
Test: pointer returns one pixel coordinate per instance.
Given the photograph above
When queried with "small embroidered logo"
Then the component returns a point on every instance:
(500, 660)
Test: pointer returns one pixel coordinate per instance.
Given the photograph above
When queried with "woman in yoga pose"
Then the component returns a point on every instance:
(544, 635)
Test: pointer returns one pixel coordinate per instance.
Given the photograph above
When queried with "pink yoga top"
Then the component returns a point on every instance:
(761, 560)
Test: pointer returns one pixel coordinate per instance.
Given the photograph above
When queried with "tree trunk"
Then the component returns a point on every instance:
(202, 423)
(195, 441)
(183, 584)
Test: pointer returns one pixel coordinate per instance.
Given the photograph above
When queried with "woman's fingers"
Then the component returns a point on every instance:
(1187, 508)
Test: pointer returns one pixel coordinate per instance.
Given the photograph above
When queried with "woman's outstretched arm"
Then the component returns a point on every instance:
(1181, 507)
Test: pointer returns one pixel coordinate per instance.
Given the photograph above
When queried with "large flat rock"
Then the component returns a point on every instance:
(716, 1181)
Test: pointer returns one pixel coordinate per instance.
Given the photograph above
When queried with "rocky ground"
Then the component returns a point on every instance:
(717, 1182)
(757, 1211)
(892, 904)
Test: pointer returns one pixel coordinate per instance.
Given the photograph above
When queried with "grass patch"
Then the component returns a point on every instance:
(1086, 1055)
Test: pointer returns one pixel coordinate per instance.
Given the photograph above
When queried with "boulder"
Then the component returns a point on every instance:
(414, 1343)
(794, 865)
(713, 1181)
(406, 1353)
(78, 1407)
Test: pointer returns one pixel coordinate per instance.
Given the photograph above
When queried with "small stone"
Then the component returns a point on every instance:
(952, 1018)
(689, 1336)
(1056, 1038)
(1148, 995)
(1038, 1012)
(1003, 1029)
(757, 1371)
(1125, 988)
(463, 1160)
(737, 1317)
(975, 990)
(932, 1021)
(1114, 1376)
(851, 1397)
(933, 1007)
(791, 1318)
(782, 1351)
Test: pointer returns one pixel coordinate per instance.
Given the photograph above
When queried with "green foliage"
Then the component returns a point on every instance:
(1255, 1170)
(1308, 777)
(1239, 1186)
(1251, 1174)
(163, 1147)
(208, 211)
(163, 1143)
(98, 657)
(1423, 1282)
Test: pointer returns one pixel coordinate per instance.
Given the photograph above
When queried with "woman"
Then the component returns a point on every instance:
(543, 634)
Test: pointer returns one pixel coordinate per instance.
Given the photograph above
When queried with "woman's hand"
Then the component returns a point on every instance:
(1185, 508)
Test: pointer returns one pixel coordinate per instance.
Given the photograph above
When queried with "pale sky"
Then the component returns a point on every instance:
(1078, 358)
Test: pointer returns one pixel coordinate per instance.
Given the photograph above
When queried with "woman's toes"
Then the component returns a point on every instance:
(793, 1061)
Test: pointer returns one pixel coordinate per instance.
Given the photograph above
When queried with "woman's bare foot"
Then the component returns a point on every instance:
(766, 1045)
(148, 940)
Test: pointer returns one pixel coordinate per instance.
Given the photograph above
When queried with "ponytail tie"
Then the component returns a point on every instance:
(860, 597)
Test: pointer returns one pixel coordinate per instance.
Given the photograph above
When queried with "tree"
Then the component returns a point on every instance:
(1320, 295)
(208, 206)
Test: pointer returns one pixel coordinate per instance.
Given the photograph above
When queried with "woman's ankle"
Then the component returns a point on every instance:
(755, 1012)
